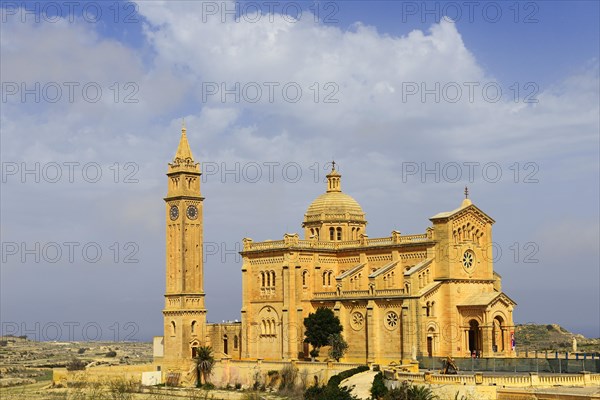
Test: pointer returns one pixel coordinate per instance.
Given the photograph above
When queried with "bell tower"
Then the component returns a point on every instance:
(184, 312)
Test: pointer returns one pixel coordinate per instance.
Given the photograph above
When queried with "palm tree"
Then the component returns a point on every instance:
(421, 393)
(204, 363)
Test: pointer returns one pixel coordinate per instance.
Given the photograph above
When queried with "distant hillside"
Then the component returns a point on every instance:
(552, 337)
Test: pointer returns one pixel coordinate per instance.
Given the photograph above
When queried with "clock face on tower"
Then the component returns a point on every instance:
(174, 213)
(192, 212)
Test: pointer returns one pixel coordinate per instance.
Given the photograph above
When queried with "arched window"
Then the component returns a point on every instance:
(304, 278)
(273, 278)
(329, 278)
(324, 278)
(262, 275)
(331, 233)
(433, 309)
(173, 328)
(427, 309)
(339, 234)
(193, 327)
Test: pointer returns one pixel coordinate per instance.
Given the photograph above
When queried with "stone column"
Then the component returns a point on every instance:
(371, 332)
(486, 333)
(287, 294)
(404, 336)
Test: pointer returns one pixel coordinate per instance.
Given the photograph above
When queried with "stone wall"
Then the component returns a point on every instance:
(226, 372)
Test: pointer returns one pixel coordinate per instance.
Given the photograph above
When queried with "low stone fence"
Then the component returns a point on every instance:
(531, 379)
(260, 372)
(104, 373)
(226, 372)
(554, 365)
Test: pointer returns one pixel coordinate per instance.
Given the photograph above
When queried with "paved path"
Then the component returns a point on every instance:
(362, 384)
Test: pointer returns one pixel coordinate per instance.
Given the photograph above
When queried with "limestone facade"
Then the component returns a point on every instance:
(397, 297)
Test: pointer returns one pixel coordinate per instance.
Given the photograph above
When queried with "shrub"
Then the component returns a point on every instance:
(111, 354)
(252, 396)
(400, 393)
(328, 393)
(338, 346)
(421, 393)
(121, 389)
(337, 379)
(75, 365)
(81, 350)
(378, 389)
(288, 374)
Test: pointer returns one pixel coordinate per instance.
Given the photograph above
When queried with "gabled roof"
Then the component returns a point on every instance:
(417, 267)
(485, 299)
(351, 271)
(383, 269)
(465, 207)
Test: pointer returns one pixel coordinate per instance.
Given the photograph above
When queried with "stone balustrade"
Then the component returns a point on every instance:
(359, 294)
(531, 379)
(292, 241)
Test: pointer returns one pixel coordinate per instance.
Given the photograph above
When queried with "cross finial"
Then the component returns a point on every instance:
(466, 192)
(183, 124)
(333, 165)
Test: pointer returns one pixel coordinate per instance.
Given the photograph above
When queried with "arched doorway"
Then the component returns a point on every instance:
(474, 338)
(430, 341)
(429, 346)
(225, 344)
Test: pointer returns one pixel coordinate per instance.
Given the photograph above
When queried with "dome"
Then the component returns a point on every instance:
(334, 205)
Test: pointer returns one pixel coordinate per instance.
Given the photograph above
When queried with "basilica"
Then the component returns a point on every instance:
(398, 298)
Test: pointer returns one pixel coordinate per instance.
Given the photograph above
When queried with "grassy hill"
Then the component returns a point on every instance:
(552, 337)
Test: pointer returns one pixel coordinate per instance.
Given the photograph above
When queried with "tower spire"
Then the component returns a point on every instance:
(184, 153)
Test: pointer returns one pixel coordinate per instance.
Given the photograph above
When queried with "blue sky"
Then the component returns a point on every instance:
(366, 55)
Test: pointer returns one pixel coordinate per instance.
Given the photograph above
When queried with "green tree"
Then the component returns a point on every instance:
(338, 346)
(319, 325)
(378, 388)
(204, 363)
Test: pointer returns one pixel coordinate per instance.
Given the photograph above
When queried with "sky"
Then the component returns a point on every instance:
(413, 100)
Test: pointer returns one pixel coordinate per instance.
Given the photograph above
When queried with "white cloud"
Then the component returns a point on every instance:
(371, 131)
